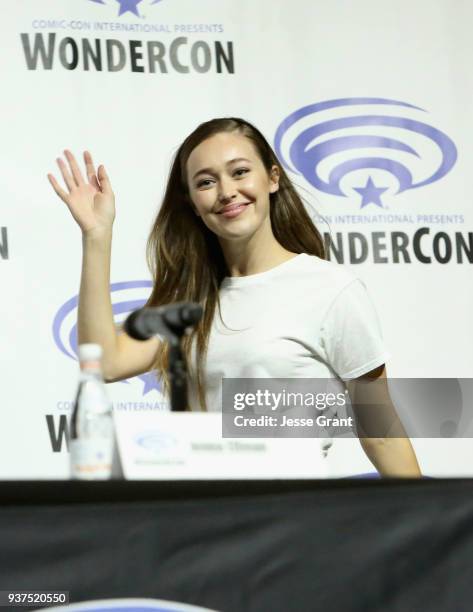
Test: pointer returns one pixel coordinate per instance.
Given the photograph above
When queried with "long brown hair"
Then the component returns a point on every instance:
(185, 257)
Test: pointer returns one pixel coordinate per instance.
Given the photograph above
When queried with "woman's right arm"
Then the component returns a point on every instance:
(92, 204)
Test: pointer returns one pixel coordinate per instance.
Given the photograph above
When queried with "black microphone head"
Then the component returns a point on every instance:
(191, 313)
(133, 325)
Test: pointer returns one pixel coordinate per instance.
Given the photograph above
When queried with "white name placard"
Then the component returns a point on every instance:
(163, 445)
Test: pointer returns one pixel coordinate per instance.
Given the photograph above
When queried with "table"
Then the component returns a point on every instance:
(391, 545)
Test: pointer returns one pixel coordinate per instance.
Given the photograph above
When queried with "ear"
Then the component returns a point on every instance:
(274, 179)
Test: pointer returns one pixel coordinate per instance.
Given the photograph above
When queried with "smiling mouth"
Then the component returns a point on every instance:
(228, 208)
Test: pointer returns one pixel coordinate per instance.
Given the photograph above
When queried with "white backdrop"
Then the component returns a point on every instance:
(404, 62)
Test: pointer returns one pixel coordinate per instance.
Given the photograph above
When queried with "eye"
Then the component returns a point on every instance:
(203, 183)
(245, 170)
(206, 182)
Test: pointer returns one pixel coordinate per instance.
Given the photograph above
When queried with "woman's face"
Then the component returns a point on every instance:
(229, 185)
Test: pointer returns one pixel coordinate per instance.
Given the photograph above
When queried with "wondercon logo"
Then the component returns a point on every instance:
(126, 297)
(156, 441)
(369, 147)
(130, 605)
(127, 6)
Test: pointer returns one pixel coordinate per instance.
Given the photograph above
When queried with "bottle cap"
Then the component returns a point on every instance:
(90, 352)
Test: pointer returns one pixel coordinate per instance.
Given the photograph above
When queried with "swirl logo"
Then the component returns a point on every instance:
(156, 441)
(65, 322)
(128, 6)
(336, 143)
(130, 605)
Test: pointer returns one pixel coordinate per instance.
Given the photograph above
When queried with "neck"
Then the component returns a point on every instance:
(255, 254)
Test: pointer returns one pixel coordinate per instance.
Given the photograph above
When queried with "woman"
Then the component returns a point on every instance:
(233, 234)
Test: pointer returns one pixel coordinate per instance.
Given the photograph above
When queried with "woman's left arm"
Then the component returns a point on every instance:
(381, 434)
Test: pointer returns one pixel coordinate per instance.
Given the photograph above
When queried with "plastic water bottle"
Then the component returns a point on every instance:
(92, 437)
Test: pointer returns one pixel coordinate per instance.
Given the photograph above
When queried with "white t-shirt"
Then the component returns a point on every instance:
(305, 318)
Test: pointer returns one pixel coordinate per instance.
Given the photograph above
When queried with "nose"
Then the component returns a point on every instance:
(227, 191)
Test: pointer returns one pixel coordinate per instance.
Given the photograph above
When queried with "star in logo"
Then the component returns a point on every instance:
(150, 381)
(370, 194)
(129, 6)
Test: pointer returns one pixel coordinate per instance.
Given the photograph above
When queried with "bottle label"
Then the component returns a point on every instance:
(91, 458)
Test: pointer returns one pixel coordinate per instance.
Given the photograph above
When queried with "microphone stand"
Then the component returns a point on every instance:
(177, 370)
(170, 321)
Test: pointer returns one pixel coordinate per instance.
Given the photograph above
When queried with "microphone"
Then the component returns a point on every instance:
(171, 319)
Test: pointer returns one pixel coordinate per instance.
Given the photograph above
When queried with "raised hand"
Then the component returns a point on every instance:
(91, 201)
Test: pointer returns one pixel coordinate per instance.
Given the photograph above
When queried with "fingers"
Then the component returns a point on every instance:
(76, 173)
(73, 177)
(90, 170)
(55, 185)
(104, 180)
(66, 175)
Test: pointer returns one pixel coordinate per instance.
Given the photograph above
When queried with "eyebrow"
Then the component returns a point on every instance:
(210, 170)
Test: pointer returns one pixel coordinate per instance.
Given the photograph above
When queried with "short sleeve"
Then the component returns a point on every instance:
(351, 333)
